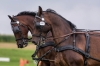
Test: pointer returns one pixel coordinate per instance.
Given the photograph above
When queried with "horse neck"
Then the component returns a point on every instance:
(59, 26)
(28, 21)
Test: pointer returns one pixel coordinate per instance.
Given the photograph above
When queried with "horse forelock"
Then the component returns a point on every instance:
(26, 13)
(70, 23)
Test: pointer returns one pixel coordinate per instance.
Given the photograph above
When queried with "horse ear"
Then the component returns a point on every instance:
(39, 11)
(12, 20)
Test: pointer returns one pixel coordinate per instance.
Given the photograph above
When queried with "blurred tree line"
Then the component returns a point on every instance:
(7, 38)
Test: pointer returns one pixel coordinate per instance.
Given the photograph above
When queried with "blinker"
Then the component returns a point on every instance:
(40, 24)
(16, 29)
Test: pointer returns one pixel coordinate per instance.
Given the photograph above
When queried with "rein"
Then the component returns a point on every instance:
(73, 33)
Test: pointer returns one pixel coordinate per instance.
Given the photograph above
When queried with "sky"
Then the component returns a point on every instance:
(85, 14)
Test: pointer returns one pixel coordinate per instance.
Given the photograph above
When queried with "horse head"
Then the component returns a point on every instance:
(28, 20)
(20, 32)
(41, 27)
(49, 20)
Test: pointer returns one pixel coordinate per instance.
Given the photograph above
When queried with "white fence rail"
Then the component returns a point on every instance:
(4, 59)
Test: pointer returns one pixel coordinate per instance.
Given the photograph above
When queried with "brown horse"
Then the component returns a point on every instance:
(21, 25)
(74, 47)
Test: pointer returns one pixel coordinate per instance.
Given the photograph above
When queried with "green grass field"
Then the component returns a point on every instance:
(15, 55)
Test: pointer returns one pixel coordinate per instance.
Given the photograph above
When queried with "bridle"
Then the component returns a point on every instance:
(16, 29)
(41, 43)
(39, 25)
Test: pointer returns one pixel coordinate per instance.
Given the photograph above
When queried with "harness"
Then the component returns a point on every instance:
(85, 53)
(72, 47)
(38, 47)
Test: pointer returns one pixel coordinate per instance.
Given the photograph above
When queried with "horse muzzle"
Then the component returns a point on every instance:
(20, 46)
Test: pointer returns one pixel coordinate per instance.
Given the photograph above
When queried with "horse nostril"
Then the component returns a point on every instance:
(20, 46)
(34, 42)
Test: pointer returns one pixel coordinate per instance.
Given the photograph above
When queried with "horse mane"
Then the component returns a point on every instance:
(48, 10)
(26, 13)
(70, 23)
